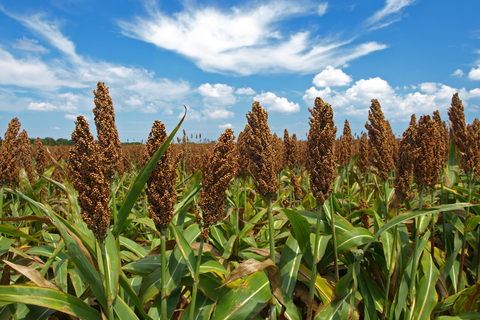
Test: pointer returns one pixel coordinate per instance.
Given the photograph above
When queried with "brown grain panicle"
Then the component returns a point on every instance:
(217, 174)
(261, 152)
(320, 150)
(161, 183)
(107, 134)
(87, 178)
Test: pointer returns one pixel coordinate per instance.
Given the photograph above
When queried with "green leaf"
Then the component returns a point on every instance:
(133, 246)
(48, 298)
(472, 315)
(185, 250)
(122, 310)
(203, 308)
(426, 298)
(152, 284)
(14, 232)
(301, 232)
(289, 263)
(472, 223)
(128, 289)
(410, 215)
(243, 301)
(337, 309)
(5, 244)
(113, 265)
(140, 181)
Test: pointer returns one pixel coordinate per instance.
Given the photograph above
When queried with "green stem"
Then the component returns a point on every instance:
(245, 199)
(415, 251)
(348, 192)
(196, 279)
(271, 228)
(385, 201)
(163, 251)
(114, 204)
(1, 202)
(237, 207)
(442, 201)
(334, 235)
(462, 261)
(432, 242)
(314, 266)
(107, 280)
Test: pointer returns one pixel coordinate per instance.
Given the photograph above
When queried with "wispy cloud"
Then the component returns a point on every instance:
(388, 14)
(78, 72)
(29, 45)
(245, 40)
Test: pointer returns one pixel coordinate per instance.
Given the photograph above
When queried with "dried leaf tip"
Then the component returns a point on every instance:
(87, 178)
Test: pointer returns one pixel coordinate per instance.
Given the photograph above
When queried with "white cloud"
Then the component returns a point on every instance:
(218, 94)
(473, 108)
(130, 88)
(458, 72)
(429, 87)
(151, 108)
(356, 100)
(331, 77)
(218, 114)
(225, 126)
(382, 17)
(29, 45)
(247, 91)
(55, 128)
(245, 40)
(474, 74)
(42, 106)
(168, 112)
(322, 8)
(276, 104)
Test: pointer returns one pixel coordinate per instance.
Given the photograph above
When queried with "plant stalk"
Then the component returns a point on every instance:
(271, 228)
(467, 210)
(415, 251)
(385, 201)
(114, 204)
(334, 236)
(197, 279)
(245, 199)
(107, 280)
(163, 250)
(314, 267)
(1, 202)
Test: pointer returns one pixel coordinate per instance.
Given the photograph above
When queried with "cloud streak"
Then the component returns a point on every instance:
(245, 40)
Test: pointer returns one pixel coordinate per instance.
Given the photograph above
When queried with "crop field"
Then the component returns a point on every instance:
(251, 226)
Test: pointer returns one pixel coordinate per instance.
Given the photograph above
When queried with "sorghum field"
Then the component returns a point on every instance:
(253, 226)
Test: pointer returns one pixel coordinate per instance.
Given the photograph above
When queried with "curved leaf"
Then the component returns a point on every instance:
(49, 298)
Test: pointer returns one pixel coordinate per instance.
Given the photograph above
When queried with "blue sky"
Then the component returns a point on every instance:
(217, 57)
